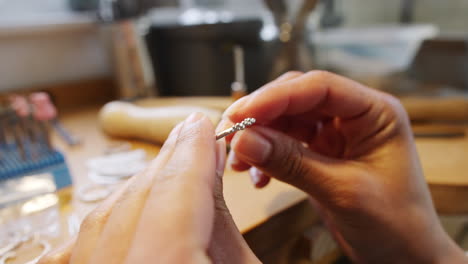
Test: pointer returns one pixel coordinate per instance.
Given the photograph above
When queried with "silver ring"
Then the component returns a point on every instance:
(94, 192)
(12, 254)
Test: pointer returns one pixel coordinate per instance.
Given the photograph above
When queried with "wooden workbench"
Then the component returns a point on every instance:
(277, 213)
(278, 210)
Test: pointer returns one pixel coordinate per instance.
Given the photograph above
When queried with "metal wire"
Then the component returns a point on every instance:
(237, 127)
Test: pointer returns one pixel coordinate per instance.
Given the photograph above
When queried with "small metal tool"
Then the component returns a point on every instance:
(237, 127)
(23, 110)
(238, 87)
(3, 130)
(68, 137)
(2, 126)
(43, 112)
(47, 115)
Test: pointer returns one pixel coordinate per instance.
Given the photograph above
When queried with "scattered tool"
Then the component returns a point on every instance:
(23, 111)
(25, 146)
(46, 112)
(43, 112)
(238, 87)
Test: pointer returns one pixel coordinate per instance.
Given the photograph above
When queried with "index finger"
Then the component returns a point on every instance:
(176, 222)
(319, 91)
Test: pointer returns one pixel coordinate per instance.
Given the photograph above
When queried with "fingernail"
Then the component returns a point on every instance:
(194, 117)
(255, 175)
(220, 157)
(232, 159)
(253, 148)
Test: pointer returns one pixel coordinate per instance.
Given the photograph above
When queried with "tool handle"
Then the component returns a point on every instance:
(454, 109)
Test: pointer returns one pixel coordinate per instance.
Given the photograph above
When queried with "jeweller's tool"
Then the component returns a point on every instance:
(17, 135)
(3, 125)
(25, 149)
(237, 127)
(238, 87)
(47, 114)
(69, 138)
(28, 125)
(42, 112)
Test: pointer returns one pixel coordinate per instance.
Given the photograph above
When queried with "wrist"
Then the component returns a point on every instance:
(436, 247)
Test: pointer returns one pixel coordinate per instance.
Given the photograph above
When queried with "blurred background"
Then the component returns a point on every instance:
(190, 43)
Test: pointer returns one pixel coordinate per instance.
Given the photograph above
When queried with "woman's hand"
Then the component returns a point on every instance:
(173, 212)
(351, 148)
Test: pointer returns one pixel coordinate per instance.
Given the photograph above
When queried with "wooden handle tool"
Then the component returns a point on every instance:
(454, 109)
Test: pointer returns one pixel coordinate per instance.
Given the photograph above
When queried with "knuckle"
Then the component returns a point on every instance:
(396, 111)
(192, 133)
(395, 106)
(292, 162)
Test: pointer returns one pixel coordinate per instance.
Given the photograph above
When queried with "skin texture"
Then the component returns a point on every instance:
(350, 148)
(173, 212)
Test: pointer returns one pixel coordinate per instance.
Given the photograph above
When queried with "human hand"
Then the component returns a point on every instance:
(351, 148)
(173, 212)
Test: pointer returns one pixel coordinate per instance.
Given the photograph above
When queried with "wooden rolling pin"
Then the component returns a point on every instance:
(453, 109)
(420, 108)
(152, 124)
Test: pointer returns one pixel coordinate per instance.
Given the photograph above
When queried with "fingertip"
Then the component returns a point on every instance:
(259, 179)
(194, 117)
(234, 112)
(197, 125)
(236, 164)
(262, 183)
(200, 118)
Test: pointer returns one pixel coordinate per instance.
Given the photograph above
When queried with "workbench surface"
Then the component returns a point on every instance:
(444, 160)
(278, 208)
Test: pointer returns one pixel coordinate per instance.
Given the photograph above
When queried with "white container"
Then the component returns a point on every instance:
(377, 50)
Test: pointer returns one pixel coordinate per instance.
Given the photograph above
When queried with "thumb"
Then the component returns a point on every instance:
(227, 244)
(285, 158)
